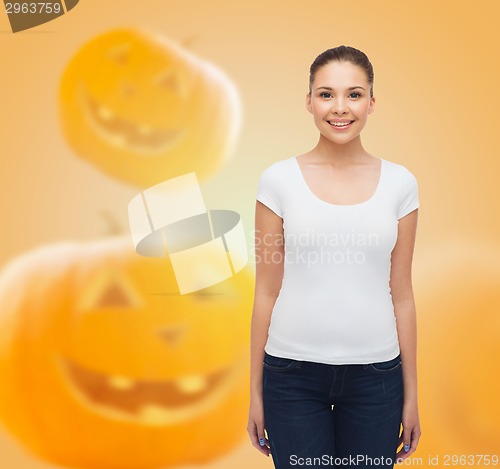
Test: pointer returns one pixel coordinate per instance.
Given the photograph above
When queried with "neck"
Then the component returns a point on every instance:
(340, 153)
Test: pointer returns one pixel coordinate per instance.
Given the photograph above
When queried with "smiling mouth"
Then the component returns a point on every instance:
(152, 402)
(123, 133)
(340, 124)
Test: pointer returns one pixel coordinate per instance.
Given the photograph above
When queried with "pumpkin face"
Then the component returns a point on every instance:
(459, 335)
(143, 109)
(103, 364)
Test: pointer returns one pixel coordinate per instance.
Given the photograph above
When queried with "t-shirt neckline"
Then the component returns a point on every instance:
(308, 189)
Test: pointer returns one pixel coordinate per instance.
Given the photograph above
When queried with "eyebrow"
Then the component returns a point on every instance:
(331, 89)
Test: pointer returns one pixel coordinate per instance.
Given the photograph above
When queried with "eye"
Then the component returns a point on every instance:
(166, 79)
(108, 289)
(354, 92)
(169, 81)
(120, 54)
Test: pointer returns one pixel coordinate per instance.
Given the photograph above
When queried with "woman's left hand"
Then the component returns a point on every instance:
(411, 430)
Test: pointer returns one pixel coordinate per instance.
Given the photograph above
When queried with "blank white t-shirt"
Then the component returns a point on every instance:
(335, 304)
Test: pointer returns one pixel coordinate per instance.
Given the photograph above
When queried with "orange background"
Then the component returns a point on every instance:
(436, 85)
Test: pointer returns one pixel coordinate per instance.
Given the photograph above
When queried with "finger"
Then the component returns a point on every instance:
(406, 439)
(263, 449)
(403, 454)
(400, 456)
(415, 437)
(254, 437)
(263, 441)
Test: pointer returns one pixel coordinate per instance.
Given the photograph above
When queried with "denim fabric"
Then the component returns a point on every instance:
(360, 431)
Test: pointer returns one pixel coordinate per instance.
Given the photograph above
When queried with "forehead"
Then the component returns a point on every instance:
(340, 75)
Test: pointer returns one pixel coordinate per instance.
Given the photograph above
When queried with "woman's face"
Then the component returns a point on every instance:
(333, 98)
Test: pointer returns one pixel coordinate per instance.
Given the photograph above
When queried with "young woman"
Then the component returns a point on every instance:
(333, 348)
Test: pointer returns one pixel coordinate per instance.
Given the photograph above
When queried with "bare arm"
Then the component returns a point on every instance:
(404, 302)
(269, 258)
(406, 321)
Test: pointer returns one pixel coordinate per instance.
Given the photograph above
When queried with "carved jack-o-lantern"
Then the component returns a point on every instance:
(143, 109)
(103, 364)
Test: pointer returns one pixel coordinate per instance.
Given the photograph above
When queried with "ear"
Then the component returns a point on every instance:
(371, 108)
(308, 103)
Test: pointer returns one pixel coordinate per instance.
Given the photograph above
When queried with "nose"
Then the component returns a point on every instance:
(339, 106)
(128, 89)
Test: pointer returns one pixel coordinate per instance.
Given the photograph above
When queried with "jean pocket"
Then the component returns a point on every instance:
(387, 366)
(279, 363)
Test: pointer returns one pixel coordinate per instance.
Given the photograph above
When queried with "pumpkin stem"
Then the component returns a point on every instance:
(114, 227)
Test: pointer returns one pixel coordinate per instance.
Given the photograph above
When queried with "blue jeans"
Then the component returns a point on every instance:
(362, 429)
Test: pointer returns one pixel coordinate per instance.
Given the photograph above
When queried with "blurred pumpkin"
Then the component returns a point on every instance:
(458, 303)
(104, 365)
(143, 109)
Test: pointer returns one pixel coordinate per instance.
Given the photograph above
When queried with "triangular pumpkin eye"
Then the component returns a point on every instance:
(169, 80)
(114, 296)
(109, 288)
(120, 54)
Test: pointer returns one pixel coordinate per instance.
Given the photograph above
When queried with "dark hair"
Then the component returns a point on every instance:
(342, 54)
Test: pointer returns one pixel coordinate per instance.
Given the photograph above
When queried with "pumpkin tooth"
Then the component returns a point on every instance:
(118, 140)
(120, 382)
(153, 414)
(192, 384)
(105, 113)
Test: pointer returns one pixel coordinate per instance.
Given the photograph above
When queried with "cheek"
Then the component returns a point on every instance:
(362, 107)
(320, 108)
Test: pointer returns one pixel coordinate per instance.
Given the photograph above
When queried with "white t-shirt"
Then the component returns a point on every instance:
(335, 304)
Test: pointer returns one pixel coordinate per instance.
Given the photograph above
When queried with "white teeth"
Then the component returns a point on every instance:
(192, 384)
(120, 382)
(339, 124)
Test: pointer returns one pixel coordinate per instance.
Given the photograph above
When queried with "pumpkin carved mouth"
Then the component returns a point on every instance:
(123, 133)
(152, 402)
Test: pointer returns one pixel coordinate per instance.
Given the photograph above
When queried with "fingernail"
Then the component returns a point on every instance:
(262, 442)
(407, 448)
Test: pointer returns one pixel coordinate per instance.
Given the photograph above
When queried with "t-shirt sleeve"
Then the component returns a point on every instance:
(409, 194)
(268, 191)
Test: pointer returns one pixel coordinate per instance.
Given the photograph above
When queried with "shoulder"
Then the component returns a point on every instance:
(279, 165)
(278, 170)
(273, 187)
(400, 173)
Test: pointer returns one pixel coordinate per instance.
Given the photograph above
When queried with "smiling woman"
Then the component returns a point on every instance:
(324, 329)
(126, 103)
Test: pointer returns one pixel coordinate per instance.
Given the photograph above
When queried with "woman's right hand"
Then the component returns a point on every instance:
(256, 425)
